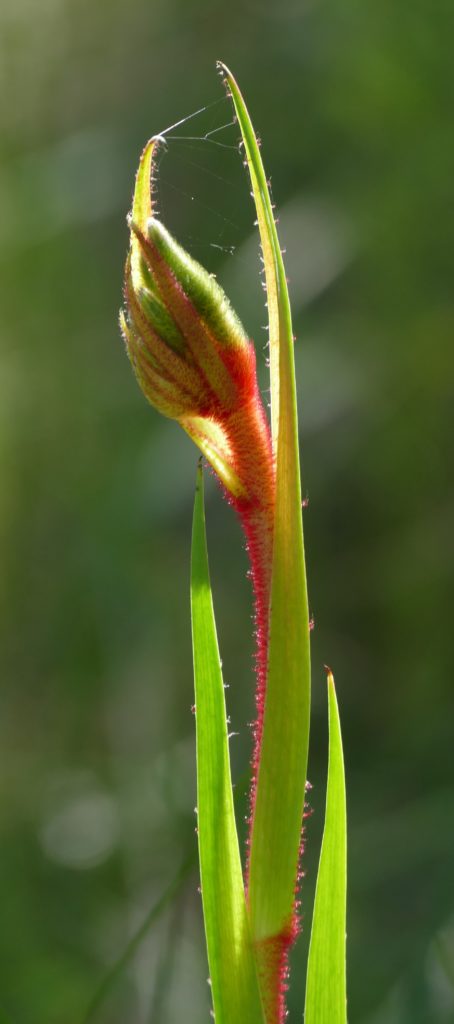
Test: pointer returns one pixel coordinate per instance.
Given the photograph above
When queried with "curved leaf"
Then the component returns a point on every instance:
(281, 779)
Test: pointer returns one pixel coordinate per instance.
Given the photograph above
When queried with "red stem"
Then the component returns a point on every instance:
(249, 434)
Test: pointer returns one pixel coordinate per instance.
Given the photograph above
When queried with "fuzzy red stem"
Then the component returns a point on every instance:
(249, 435)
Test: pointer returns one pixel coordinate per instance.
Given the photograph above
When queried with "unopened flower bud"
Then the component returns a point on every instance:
(191, 355)
(174, 304)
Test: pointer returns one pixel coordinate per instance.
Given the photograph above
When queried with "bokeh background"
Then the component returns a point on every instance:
(97, 783)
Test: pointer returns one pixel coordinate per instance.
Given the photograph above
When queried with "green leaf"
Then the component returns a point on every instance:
(277, 818)
(326, 985)
(231, 959)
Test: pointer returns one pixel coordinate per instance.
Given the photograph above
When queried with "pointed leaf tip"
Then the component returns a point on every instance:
(326, 981)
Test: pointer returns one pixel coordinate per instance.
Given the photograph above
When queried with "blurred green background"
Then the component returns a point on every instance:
(97, 784)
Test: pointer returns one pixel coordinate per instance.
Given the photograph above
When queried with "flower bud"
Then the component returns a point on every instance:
(189, 351)
(175, 306)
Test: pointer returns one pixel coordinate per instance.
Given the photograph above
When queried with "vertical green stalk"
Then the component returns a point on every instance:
(281, 772)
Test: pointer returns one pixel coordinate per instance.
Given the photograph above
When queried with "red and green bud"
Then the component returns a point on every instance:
(190, 353)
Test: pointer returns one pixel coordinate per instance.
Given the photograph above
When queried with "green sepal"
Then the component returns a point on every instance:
(160, 319)
(206, 295)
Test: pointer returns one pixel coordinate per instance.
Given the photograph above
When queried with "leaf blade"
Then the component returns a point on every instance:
(231, 957)
(281, 780)
(326, 969)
